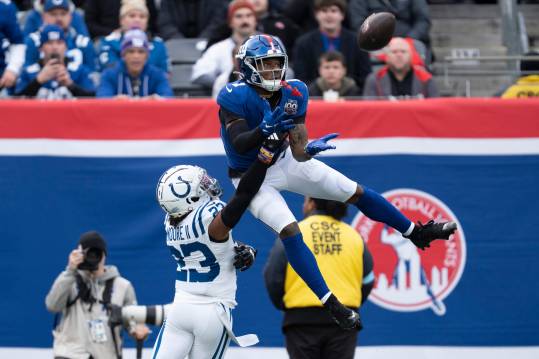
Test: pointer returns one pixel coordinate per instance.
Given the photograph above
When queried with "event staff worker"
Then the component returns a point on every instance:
(133, 76)
(346, 265)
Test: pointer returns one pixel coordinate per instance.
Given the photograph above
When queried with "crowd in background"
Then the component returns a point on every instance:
(116, 48)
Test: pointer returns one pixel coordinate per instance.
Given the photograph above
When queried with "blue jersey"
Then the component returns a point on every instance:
(34, 20)
(10, 32)
(109, 52)
(243, 101)
(80, 49)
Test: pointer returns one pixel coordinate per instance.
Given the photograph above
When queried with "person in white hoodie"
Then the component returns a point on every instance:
(81, 295)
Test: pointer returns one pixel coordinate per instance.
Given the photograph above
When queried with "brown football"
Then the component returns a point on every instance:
(376, 31)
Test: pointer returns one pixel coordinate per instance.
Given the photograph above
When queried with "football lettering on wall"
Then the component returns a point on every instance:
(407, 278)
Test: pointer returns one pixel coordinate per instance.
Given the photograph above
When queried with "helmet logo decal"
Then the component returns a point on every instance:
(187, 190)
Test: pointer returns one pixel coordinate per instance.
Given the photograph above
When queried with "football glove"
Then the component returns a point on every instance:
(245, 256)
(315, 147)
(272, 120)
(423, 234)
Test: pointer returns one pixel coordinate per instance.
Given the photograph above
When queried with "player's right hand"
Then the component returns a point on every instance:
(272, 119)
(76, 257)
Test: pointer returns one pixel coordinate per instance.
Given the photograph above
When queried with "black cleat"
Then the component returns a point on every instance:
(346, 318)
(423, 234)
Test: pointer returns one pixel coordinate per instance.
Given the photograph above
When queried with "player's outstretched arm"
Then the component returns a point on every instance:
(298, 141)
(248, 187)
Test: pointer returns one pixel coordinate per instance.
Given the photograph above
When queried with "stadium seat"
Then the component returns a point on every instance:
(180, 81)
(185, 51)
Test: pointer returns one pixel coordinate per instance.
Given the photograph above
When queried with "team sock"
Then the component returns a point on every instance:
(303, 261)
(377, 208)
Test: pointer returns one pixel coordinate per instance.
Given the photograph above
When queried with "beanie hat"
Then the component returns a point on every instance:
(93, 239)
(129, 5)
(236, 5)
(135, 38)
(55, 4)
(51, 32)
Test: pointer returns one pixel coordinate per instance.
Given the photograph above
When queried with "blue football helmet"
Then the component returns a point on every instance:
(252, 54)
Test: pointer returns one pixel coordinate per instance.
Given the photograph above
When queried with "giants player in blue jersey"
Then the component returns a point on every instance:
(261, 104)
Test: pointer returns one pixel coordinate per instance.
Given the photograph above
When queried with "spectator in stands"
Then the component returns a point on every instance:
(10, 32)
(133, 14)
(399, 78)
(330, 36)
(217, 60)
(345, 263)
(54, 77)
(190, 19)
(102, 16)
(227, 77)
(133, 76)
(528, 84)
(413, 19)
(34, 19)
(80, 47)
(82, 293)
(301, 12)
(268, 21)
(333, 82)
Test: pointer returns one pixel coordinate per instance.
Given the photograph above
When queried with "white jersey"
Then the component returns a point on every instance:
(205, 271)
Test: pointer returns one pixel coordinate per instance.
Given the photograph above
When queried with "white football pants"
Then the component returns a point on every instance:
(310, 178)
(192, 331)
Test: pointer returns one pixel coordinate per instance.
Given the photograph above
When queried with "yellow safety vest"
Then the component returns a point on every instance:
(527, 86)
(338, 249)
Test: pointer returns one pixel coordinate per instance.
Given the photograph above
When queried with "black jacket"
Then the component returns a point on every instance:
(103, 16)
(190, 18)
(309, 47)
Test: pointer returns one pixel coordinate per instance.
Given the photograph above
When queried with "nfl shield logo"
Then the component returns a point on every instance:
(408, 279)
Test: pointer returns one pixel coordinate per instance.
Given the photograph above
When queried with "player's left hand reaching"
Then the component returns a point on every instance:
(316, 146)
(245, 256)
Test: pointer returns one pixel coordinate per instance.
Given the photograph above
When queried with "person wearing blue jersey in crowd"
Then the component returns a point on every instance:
(133, 14)
(255, 108)
(80, 47)
(34, 19)
(10, 34)
(133, 76)
(54, 77)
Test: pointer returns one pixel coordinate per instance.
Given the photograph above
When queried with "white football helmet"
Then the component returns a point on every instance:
(183, 188)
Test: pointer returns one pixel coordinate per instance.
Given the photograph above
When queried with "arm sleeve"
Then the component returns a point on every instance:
(243, 139)
(370, 86)
(432, 90)
(58, 295)
(275, 274)
(247, 188)
(163, 87)
(368, 274)
(167, 27)
(106, 86)
(205, 69)
(130, 296)
(16, 58)
(29, 89)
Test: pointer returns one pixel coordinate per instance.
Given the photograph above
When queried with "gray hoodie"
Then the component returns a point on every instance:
(72, 336)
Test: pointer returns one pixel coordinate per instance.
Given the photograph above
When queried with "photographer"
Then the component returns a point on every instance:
(53, 77)
(84, 294)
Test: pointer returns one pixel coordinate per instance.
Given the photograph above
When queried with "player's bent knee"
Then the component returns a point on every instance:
(290, 230)
(357, 195)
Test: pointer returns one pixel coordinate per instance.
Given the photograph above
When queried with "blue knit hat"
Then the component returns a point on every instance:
(55, 4)
(135, 38)
(52, 32)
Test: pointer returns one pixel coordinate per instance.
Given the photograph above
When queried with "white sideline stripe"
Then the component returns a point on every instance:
(370, 352)
(213, 146)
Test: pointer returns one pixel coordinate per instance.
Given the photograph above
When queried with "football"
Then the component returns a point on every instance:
(376, 31)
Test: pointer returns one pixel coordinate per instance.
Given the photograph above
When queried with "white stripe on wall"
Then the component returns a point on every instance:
(371, 352)
(213, 146)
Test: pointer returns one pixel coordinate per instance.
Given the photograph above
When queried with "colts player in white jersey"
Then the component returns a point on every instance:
(249, 109)
(198, 224)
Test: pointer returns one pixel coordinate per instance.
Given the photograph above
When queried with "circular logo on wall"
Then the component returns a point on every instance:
(406, 278)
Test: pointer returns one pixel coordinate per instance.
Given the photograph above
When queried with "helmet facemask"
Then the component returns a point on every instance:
(260, 69)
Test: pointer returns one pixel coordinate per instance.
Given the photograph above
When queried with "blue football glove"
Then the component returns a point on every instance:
(316, 146)
(272, 120)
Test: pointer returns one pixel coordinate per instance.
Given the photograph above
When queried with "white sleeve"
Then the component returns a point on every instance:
(16, 58)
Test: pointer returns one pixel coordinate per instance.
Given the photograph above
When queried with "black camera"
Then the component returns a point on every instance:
(92, 257)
